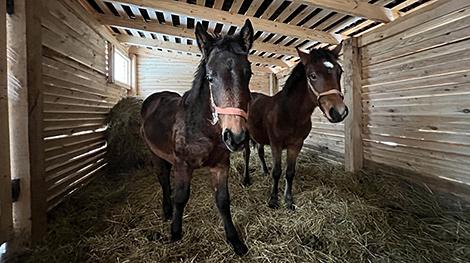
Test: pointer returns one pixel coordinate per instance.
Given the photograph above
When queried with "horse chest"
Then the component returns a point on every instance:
(194, 148)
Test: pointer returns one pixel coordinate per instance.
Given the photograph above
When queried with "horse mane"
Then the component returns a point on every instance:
(298, 73)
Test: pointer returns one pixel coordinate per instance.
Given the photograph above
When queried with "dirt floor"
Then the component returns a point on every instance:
(339, 217)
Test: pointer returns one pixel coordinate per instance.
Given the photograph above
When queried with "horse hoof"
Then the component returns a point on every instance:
(240, 248)
(167, 215)
(246, 182)
(273, 203)
(176, 237)
(290, 206)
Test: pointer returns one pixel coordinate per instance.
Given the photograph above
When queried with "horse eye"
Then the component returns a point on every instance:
(313, 76)
(209, 78)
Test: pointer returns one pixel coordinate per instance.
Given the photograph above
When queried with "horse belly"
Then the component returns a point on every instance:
(158, 128)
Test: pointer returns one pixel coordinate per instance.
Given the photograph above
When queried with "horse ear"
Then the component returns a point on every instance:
(304, 57)
(338, 49)
(246, 35)
(204, 40)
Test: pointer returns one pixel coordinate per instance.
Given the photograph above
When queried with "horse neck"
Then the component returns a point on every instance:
(198, 110)
(299, 100)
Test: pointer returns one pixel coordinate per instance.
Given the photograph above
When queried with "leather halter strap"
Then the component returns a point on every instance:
(224, 111)
(326, 93)
(330, 92)
(231, 111)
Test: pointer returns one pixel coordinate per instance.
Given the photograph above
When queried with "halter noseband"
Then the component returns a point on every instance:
(326, 93)
(224, 111)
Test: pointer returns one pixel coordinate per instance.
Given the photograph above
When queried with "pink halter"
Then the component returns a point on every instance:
(224, 111)
(231, 111)
(328, 92)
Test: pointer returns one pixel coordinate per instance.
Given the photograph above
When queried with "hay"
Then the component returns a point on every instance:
(370, 217)
(126, 149)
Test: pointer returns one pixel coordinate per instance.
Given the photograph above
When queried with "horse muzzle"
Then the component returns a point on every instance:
(234, 141)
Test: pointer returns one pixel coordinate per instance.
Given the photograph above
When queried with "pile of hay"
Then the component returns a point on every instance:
(369, 217)
(126, 148)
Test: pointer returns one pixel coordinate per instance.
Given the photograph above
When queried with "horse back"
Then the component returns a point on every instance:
(158, 114)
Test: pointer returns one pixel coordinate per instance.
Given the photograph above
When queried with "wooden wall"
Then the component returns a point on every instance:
(416, 92)
(163, 74)
(169, 74)
(76, 100)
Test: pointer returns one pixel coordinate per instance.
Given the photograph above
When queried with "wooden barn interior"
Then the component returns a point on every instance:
(65, 63)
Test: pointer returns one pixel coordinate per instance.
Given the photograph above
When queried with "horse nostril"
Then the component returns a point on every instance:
(239, 138)
(227, 136)
(335, 116)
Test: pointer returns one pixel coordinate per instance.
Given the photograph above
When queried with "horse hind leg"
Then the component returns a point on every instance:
(262, 159)
(164, 180)
(246, 155)
(276, 174)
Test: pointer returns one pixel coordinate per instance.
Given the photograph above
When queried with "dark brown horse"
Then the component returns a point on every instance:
(284, 120)
(201, 128)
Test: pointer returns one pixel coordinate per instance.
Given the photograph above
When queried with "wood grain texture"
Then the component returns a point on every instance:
(6, 223)
(76, 97)
(416, 93)
(353, 154)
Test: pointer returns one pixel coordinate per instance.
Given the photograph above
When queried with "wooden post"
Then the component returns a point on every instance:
(5, 176)
(134, 87)
(26, 107)
(34, 11)
(273, 84)
(353, 154)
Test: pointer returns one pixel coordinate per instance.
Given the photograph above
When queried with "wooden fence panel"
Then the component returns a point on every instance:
(76, 99)
(416, 92)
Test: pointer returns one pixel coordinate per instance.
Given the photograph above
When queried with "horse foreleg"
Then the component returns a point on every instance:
(262, 159)
(276, 173)
(164, 179)
(292, 154)
(246, 155)
(182, 189)
(222, 200)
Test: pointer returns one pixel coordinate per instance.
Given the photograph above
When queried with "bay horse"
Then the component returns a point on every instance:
(283, 121)
(202, 127)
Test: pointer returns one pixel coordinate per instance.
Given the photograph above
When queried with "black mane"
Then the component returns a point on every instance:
(298, 73)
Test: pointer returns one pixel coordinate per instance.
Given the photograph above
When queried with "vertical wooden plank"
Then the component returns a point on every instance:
(27, 150)
(353, 156)
(5, 177)
(273, 84)
(110, 52)
(33, 14)
(134, 87)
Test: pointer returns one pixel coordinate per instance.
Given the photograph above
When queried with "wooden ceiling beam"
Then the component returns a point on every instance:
(181, 32)
(229, 18)
(147, 42)
(355, 8)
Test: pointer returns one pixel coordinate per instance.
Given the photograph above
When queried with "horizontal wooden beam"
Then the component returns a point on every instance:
(141, 51)
(232, 18)
(148, 42)
(155, 27)
(356, 8)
